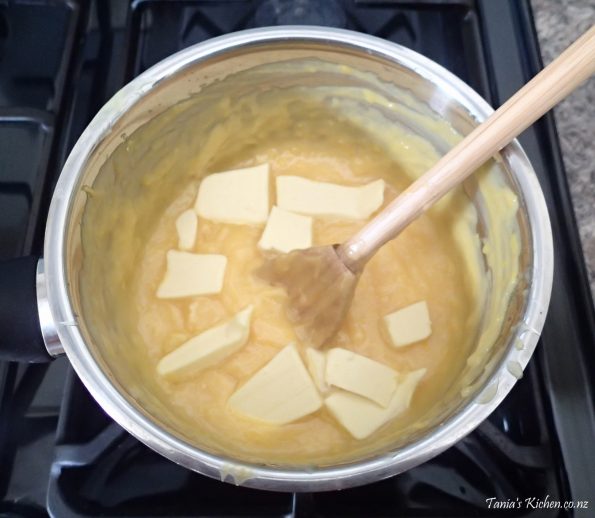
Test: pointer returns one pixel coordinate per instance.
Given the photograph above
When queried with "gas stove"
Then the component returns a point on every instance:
(60, 454)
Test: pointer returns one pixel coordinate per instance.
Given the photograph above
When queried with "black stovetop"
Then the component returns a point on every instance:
(60, 454)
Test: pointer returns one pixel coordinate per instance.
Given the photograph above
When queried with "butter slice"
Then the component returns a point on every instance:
(316, 363)
(361, 417)
(192, 274)
(208, 348)
(286, 231)
(279, 393)
(409, 325)
(304, 196)
(360, 375)
(240, 196)
(186, 225)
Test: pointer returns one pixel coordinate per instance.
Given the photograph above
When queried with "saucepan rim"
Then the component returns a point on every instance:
(281, 478)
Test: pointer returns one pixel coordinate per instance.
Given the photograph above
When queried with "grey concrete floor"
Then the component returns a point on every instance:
(559, 22)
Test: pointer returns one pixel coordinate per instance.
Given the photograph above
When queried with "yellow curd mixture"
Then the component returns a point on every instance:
(437, 259)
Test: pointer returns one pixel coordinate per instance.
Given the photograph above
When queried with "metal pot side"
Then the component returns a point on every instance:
(181, 74)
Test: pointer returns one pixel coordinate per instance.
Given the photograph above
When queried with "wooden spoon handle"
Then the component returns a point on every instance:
(575, 65)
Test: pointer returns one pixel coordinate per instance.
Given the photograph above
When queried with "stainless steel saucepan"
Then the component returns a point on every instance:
(41, 314)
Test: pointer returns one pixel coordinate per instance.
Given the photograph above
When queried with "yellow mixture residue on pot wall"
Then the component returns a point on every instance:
(344, 135)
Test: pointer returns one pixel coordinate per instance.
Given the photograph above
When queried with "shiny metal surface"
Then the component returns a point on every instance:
(46, 322)
(448, 96)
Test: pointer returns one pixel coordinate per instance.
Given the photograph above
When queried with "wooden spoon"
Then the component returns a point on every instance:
(321, 281)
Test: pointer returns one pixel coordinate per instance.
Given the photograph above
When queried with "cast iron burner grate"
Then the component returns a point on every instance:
(99, 466)
(55, 75)
(448, 32)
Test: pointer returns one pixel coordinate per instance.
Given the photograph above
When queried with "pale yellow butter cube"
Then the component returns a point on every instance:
(286, 231)
(240, 196)
(186, 225)
(316, 363)
(313, 198)
(279, 393)
(409, 325)
(360, 375)
(362, 417)
(208, 348)
(192, 274)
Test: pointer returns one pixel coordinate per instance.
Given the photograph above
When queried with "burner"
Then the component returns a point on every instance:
(101, 467)
(300, 12)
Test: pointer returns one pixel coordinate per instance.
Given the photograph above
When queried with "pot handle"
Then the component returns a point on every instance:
(21, 338)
